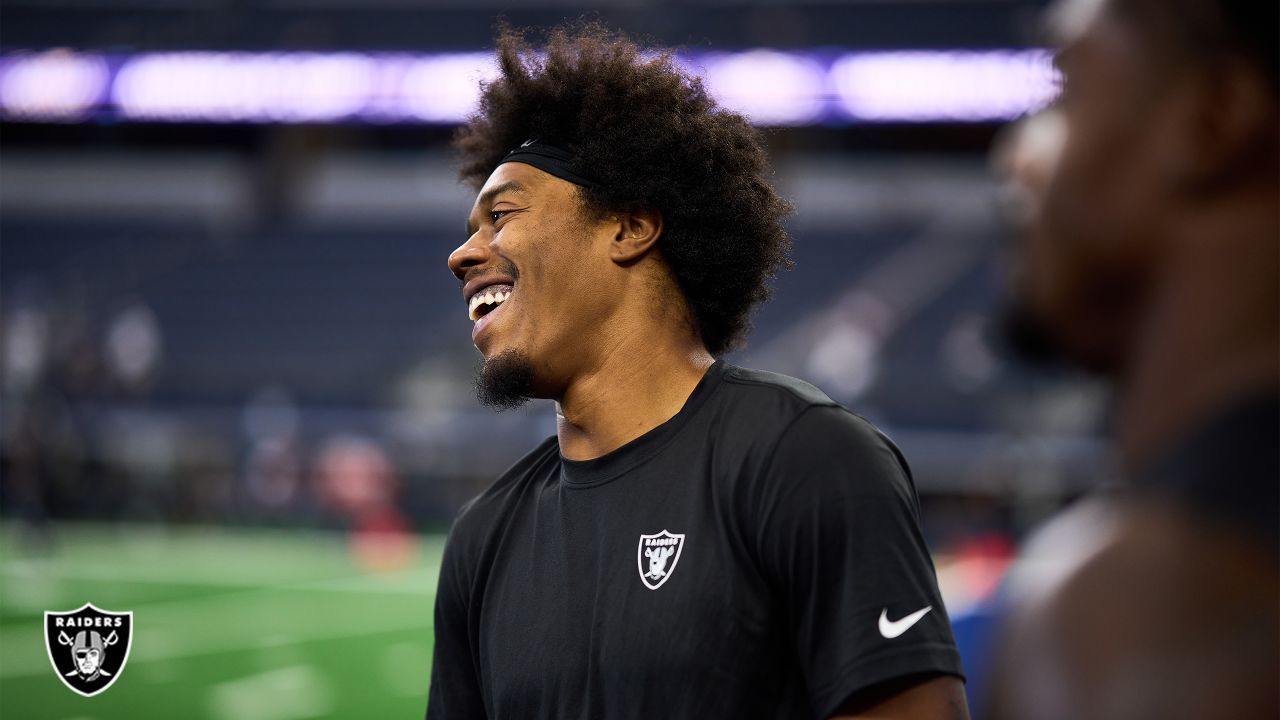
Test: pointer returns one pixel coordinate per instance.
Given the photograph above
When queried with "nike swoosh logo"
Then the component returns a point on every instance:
(893, 628)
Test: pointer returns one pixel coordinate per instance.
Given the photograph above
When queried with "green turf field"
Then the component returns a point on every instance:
(228, 624)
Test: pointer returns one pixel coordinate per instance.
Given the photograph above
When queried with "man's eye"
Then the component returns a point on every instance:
(496, 215)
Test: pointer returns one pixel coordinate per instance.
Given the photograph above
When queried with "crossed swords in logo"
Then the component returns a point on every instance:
(108, 641)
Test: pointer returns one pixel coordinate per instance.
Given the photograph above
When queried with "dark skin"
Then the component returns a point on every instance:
(1164, 175)
(593, 294)
(1151, 253)
(936, 697)
(1168, 617)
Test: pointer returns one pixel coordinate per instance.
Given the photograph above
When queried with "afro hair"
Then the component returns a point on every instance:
(651, 139)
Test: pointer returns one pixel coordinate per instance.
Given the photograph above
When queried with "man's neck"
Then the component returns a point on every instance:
(1212, 333)
(640, 382)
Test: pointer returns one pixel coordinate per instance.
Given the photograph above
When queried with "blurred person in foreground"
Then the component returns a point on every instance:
(1152, 254)
(697, 540)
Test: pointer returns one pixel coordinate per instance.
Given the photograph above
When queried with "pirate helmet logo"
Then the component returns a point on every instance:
(88, 647)
(656, 557)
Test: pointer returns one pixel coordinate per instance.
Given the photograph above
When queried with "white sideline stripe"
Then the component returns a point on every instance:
(351, 583)
(358, 584)
(140, 655)
(12, 664)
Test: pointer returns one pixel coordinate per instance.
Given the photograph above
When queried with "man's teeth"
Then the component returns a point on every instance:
(489, 298)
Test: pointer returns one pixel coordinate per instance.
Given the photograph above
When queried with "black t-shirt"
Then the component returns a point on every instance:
(758, 555)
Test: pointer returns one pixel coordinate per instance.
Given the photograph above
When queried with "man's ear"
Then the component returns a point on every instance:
(636, 234)
(1235, 125)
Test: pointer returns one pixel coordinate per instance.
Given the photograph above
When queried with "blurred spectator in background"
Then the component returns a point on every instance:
(1151, 255)
(356, 480)
(273, 473)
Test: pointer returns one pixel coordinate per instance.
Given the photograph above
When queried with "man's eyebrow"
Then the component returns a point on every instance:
(487, 197)
(493, 192)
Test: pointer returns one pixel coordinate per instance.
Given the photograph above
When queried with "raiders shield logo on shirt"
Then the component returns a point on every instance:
(657, 557)
(88, 647)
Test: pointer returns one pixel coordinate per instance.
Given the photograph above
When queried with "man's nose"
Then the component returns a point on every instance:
(470, 254)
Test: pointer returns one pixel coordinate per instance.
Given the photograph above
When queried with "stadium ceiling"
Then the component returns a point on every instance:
(457, 25)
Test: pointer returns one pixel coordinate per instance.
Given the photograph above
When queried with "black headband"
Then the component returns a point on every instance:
(549, 159)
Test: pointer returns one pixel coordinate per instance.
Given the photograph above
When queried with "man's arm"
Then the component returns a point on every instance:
(928, 697)
(455, 688)
(839, 538)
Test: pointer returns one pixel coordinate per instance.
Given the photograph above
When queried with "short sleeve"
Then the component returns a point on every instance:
(840, 542)
(455, 684)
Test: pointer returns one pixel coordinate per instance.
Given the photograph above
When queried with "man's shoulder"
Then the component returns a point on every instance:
(761, 405)
(782, 418)
(1098, 570)
(535, 464)
(781, 405)
(771, 387)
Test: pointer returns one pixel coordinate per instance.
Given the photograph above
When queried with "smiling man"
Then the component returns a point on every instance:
(698, 540)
